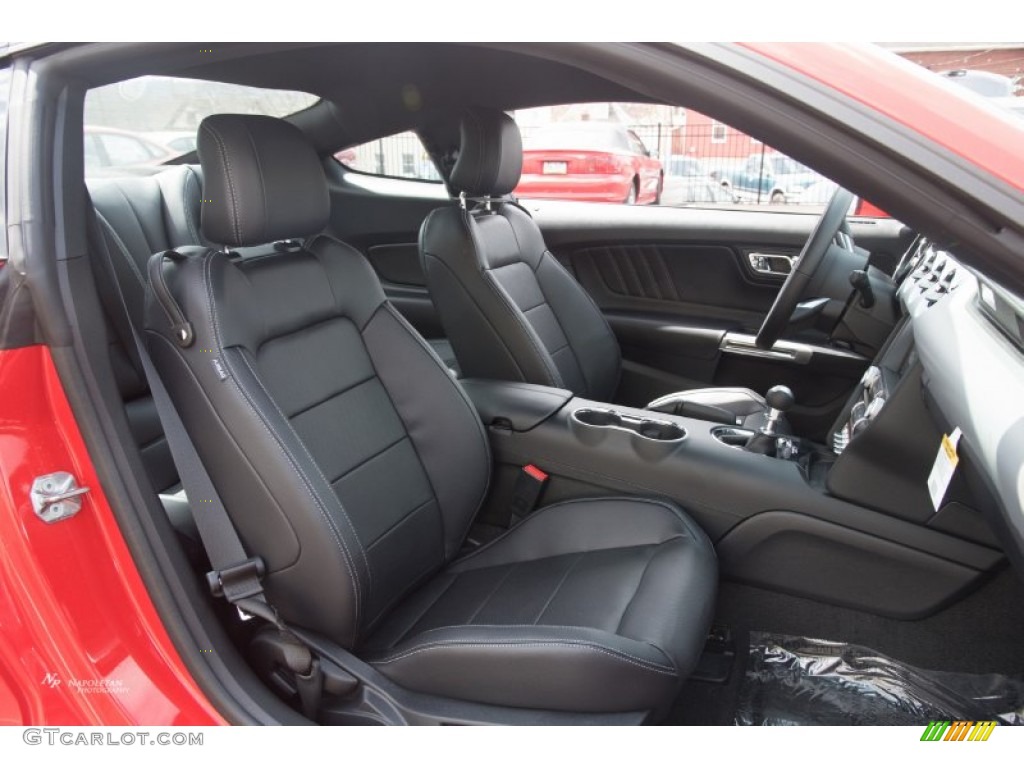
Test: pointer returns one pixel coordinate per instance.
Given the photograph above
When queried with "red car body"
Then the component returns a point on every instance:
(73, 606)
(590, 161)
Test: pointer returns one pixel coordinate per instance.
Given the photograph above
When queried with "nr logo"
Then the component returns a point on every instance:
(51, 680)
(958, 730)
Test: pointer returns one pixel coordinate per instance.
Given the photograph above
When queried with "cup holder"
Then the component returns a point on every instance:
(734, 437)
(651, 438)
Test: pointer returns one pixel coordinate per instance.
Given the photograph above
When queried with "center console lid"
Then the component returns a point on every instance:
(513, 404)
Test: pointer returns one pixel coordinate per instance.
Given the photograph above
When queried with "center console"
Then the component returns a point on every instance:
(804, 523)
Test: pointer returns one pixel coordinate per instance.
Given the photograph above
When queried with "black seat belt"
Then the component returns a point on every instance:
(234, 576)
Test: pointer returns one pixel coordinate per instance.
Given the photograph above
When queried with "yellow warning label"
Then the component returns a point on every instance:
(950, 448)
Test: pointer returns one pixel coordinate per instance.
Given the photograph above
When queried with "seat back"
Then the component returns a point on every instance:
(136, 217)
(509, 308)
(346, 455)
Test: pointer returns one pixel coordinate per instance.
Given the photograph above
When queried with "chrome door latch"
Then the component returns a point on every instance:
(56, 497)
(774, 264)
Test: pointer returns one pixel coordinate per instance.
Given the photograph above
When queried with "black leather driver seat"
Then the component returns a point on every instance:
(353, 464)
(509, 309)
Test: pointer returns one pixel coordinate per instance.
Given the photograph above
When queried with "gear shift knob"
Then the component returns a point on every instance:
(780, 398)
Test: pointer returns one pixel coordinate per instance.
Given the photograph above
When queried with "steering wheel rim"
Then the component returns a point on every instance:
(812, 255)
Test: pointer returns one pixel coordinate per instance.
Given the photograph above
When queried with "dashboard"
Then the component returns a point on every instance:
(953, 365)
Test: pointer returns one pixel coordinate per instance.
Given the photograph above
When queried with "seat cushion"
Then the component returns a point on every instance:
(594, 605)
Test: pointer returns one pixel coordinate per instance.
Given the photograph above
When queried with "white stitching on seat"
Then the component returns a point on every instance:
(267, 427)
(523, 523)
(348, 521)
(320, 472)
(547, 626)
(478, 309)
(474, 416)
(235, 223)
(190, 178)
(543, 355)
(496, 288)
(617, 655)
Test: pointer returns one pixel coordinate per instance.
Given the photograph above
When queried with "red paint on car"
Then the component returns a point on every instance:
(80, 640)
(912, 96)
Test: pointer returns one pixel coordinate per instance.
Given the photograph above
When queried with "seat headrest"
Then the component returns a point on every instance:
(262, 181)
(490, 158)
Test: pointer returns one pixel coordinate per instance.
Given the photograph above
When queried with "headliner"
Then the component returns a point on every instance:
(369, 89)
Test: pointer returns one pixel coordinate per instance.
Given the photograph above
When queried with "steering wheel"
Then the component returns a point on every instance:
(811, 258)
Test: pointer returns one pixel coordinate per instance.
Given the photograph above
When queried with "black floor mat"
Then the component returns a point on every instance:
(800, 681)
(983, 633)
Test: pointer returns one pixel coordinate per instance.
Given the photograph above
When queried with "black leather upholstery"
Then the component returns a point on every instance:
(138, 216)
(514, 404)
(509, 308)
(593, 606)
(263, 181)
(353, 463)
(344, 454)
(490, 157)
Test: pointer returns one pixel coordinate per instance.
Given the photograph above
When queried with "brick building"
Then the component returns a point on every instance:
(999, 58)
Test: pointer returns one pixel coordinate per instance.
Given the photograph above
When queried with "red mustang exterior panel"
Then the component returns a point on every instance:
(80, 641)
(908, 94)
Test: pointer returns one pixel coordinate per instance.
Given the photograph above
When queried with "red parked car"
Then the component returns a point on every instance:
(385, 532)
(599, 162)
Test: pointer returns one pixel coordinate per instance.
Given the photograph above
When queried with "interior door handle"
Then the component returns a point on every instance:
(775, 264)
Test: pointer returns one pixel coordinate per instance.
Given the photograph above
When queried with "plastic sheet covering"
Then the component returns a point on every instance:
(801, 681)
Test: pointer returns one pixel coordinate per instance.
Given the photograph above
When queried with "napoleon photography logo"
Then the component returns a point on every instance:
(98, 685)
(958, 730)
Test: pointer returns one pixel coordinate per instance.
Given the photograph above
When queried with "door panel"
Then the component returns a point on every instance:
(673, 282)
(397, 263)
(704, 281)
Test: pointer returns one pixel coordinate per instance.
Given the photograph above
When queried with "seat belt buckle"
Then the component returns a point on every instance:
(239, 581)
(527, 491)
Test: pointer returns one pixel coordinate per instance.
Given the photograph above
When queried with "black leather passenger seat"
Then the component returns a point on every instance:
(353, 464)
(510, 308)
